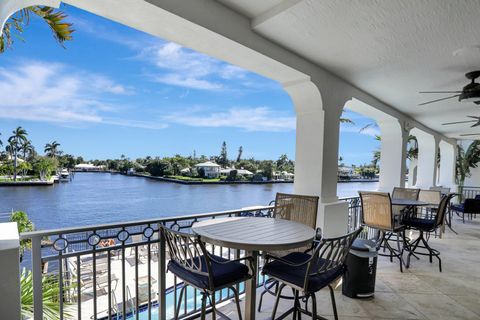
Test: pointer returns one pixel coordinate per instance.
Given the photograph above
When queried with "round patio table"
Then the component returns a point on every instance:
(409, 203)
(254, 234)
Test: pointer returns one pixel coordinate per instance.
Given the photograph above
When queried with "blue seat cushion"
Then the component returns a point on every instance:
(296, 275)
(222, 273)
(458, 207)
(421, 224)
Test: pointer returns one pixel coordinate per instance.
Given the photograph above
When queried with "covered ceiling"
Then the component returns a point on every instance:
(389, 48)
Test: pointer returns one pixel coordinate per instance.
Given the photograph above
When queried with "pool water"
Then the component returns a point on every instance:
(143, 313)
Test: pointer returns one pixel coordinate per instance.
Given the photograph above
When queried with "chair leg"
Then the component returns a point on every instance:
(273, 284)
(204, 305)
(314, 306)
(275, 307)
(334, 305)
(179, 304)
(237, 302)
(296, 305)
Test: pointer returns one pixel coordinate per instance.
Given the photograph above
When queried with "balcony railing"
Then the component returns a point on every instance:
(469, 192)
(118, 271)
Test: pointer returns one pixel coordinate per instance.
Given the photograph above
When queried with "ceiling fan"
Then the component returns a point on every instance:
(470, 134)
(476, 124)
(469, 93)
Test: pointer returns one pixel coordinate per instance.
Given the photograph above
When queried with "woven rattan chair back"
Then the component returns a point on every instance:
(430, 196)
(330, 254)
(184, 248)
(405, 193)
(377, 210)
(442, 209)
(298, 208)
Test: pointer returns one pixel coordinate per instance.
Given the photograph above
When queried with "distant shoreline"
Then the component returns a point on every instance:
(230, 182)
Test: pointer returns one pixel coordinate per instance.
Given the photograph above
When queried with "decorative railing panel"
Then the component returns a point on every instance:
(118, 271)
(469, 192)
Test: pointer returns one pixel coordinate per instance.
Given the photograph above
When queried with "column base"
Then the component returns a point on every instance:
(333, 218)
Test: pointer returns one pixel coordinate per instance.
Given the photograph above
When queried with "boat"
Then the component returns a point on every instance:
(64, 175)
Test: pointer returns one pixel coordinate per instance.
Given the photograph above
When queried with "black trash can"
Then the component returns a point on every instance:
(359, 279)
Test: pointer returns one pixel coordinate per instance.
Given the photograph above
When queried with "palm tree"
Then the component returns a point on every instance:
(51, 149)
(15, 145)
(27, 148)
(467, 159)
(62, 31)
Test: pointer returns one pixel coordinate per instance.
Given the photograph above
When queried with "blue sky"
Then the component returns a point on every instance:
(116, 90)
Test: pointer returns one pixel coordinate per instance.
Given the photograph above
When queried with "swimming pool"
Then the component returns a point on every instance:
(191, 305)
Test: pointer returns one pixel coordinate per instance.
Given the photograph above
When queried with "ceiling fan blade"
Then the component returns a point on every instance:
(457, 122)
(440, 92)
(470, 134)
(436, 100)
(473, 117)
(476, 124)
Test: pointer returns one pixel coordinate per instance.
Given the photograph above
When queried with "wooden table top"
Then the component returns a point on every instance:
(254, 233)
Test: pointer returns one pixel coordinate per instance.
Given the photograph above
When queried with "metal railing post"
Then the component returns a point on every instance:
(37, 277)
(162, 276)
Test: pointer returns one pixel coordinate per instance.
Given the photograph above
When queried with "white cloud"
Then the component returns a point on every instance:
(186, 68)
(249, 119)
(50, 92)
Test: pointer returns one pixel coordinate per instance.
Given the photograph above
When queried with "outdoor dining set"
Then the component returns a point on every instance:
(294, 253)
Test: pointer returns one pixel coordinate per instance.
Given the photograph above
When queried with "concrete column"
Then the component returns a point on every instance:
(448, 159)
(393, 155)
(412, 173)
(427, 158)
(10, 271)
(316, 159)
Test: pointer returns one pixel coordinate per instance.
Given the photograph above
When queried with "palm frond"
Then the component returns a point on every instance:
(14, 27)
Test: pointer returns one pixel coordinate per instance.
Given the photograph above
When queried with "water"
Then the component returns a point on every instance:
(95, 198)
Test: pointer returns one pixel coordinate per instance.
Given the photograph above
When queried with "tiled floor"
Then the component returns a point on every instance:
(421, 292)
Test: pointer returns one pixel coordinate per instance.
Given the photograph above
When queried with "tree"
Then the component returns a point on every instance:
(223, 159)
(50, 297)
(467, 159)
(267, 169)
(44, 167)
(24, 224)
(284, 164)
(232, 175)
(51, 149)
(15, 145)
(159, 168)
(61, 30)
(240, 151)
(27, 148)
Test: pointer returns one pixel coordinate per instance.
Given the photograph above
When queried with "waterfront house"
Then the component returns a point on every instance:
(371, 57)
(283, 176)
(89, 167)
(240, 172)
(211, 169)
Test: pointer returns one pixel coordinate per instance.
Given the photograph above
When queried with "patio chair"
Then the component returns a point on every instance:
(431, 197)
(426, 225)
(307, 273)
(377, 213)
(294, 207)
(208, 273)
(470, 207)
(405, 193)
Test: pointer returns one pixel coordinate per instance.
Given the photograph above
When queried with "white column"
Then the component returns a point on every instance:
(448, 158)
(412, 173)
(427, 158)
(316, 159)
(393, 155)
(9, 271)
